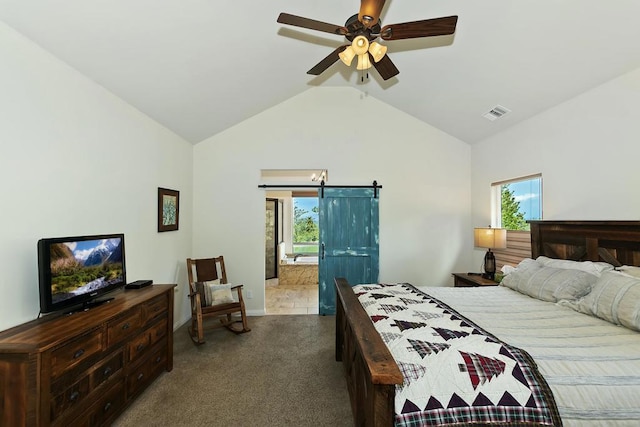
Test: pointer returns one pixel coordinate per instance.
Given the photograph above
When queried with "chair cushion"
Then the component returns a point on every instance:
(213, 293)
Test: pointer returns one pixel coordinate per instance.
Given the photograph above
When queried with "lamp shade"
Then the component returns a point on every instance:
(364, 63)
(360, 45)
(377, 51)
(347, 55)
(492, 238)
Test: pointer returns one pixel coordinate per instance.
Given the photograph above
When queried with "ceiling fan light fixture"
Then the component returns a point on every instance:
(378, 51)
(364, 63)
(347, 55)
(360, 45)
(365, 27)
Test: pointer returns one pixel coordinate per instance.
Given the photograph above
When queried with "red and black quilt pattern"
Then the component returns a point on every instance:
(455, 373)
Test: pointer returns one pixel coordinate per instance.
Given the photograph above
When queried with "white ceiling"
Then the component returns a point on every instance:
(201, 66)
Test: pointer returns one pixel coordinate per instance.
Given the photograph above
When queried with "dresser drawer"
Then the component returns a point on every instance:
(155, 307)
(75, 420)
(72, 353)
(158, 331)
(123, 327)
(101, 410)
(108, 405)
(147, 370)
(139, 345)
(69, 397)
(107, 370)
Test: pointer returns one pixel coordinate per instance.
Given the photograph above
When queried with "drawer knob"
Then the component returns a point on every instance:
(158, 359)
(78, 353)
(126, 326)
(74, 396)
(106, 407)
(140, 376)
(107, 371)
(140, 347)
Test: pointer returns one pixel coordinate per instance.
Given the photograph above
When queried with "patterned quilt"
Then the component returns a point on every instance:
(455, 373)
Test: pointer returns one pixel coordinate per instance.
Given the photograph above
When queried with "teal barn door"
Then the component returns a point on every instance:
(348, 221)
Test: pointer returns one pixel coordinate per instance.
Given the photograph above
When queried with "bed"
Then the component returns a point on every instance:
(591, 365)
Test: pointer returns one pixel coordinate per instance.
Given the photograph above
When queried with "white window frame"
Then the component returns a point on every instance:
(496, 197)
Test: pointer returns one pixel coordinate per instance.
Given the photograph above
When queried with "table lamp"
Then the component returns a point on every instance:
(488, 237)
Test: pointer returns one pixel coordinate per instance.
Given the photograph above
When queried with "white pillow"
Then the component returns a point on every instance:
(220, 294)
(527, 263)
(595, 268)
(506, 269)
(629, 270)
(522, 265)
(213, 293)
(615, 297)
(548, 283)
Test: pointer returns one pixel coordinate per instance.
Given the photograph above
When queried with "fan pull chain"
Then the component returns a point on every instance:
(362, 76)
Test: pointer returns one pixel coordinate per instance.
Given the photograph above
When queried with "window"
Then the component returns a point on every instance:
(306, 232)
(516, 201)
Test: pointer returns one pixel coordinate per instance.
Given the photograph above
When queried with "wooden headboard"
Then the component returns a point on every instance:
(614, 242)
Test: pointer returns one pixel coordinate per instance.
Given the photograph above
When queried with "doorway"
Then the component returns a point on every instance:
(294, 287)
(348, 238)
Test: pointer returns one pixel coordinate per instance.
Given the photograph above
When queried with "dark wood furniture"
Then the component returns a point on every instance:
(614, 242)
(85, 368)
(468, 280)
(370, 370)
(207, 269)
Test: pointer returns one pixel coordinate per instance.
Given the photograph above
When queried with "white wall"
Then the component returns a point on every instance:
(425, 199)
(76, 160)
(587, 150)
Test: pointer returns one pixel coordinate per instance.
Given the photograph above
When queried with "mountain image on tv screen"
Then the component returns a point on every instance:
(84, 266)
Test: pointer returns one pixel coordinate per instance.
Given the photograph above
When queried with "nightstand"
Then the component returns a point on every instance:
(465, 280)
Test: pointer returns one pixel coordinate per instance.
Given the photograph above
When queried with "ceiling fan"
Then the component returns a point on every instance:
(362, 29)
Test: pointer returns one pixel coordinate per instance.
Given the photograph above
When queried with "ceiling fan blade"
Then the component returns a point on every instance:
(425, 28)
(312, 24)
(385, 67)
(370, 12)
(327, 62)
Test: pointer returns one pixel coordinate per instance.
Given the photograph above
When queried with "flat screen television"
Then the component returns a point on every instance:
(74, 272)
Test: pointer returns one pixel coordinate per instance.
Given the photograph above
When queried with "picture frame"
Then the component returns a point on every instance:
(168, 209)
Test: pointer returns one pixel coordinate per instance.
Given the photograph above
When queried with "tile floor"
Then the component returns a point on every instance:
(292, 299)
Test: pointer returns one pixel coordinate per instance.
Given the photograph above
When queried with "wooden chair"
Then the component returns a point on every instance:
(209, 269)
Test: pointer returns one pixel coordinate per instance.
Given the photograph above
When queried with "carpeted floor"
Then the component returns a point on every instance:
(282, 373)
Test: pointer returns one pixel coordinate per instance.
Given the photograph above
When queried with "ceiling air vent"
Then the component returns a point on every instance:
(496, 112)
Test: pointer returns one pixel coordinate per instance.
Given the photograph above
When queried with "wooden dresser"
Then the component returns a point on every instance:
(83, 369)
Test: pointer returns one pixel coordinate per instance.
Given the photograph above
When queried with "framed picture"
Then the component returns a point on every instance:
(168, 209)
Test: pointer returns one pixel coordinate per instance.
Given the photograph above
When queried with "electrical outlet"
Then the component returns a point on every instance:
(249, 294)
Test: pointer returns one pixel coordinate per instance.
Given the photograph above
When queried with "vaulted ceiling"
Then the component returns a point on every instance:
(201, 66)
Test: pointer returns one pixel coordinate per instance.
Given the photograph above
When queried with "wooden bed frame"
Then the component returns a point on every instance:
(371, 372)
